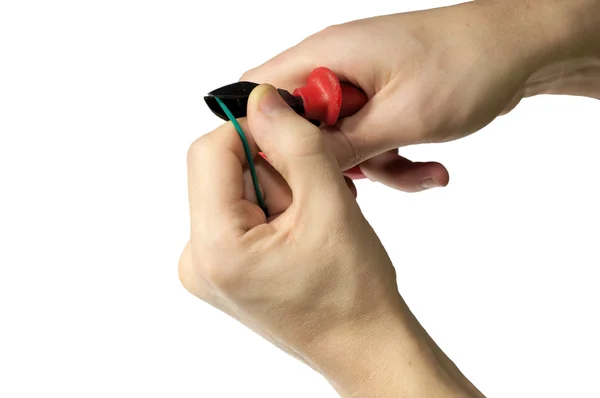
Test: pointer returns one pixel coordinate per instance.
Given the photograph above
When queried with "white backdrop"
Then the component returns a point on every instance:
(98, 104)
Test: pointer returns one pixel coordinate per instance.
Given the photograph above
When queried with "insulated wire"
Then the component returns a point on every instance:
(259, 197)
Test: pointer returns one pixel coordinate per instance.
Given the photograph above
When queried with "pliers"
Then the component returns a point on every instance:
(323, 100)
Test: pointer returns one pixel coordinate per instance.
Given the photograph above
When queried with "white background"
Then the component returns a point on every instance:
(99, 102)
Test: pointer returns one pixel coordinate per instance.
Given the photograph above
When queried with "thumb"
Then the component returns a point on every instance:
(296, 148)
(383, 124)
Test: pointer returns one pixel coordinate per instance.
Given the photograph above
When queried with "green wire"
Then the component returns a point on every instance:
(259, 197)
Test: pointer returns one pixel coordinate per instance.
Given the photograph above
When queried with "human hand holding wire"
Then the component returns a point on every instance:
(312, 277)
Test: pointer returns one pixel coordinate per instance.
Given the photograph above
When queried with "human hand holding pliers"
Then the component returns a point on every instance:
(323, 101)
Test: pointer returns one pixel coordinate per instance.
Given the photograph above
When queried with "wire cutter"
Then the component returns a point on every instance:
(323, 100)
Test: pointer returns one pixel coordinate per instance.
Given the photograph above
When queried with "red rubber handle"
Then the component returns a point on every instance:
(353, 99)
(326, 99)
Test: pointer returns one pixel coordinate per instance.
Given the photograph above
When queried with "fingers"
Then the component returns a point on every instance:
(295, 147)
(383, 124)
(402, 174)
(367, 139)
(215, 183)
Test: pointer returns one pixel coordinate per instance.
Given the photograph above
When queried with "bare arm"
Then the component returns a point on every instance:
(566, 37)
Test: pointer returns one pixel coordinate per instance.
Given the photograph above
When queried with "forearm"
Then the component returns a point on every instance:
(393, 358)
(560, 37)
(575, 67)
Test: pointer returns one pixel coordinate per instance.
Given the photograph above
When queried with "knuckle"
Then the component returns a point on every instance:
(247, 76)
(222, 274)
(344, 147)
(217, 264)
(332, 30)
(184, 274)
(305, 140)
(196, 149)
(305, 147)
(354, 154)
(185, 270)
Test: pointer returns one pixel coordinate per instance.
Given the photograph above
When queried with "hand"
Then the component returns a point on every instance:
(441, 74)
(313, 278)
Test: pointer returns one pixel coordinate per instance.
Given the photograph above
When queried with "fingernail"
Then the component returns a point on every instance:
(429, 183)
(270, 101)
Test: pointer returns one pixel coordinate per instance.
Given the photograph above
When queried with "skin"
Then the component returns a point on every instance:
(314, 278)
(441, 74)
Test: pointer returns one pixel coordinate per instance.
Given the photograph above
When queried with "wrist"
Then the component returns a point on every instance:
(392, 356)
